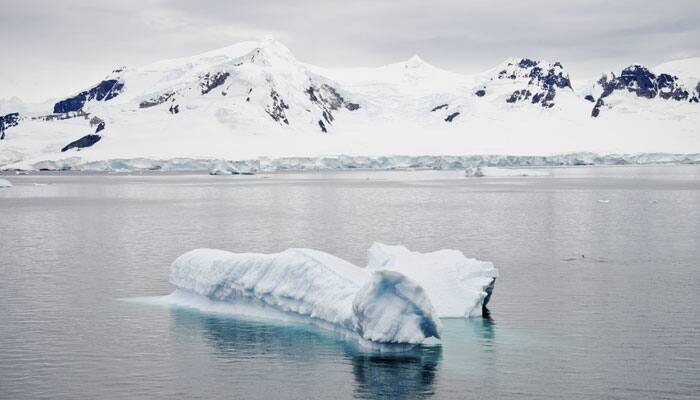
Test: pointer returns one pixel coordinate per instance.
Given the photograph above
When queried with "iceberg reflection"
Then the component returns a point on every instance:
(410, 374)
(406, 375)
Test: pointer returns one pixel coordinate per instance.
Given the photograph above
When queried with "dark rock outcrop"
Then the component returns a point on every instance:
(327, 99)
(527, 63)
(596, 109)
(154, 101)
(83, 142)
(670, 89)
(276, 110)
(104, 91)
(640, 81)
(211, 81)
(543, 81)
(100, 127)
(8, 121)
(440, 107)
(519, 95)
(451, 116)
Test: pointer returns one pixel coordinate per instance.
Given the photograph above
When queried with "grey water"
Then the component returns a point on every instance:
(596, 299)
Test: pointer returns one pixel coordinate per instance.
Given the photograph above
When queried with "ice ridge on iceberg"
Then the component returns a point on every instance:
(384, 307)
(456, 285)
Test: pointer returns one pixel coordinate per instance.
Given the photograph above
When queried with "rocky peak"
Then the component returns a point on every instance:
(536, 73)
(103, 91)
(540, 80)
(642, 82)
(7, 121)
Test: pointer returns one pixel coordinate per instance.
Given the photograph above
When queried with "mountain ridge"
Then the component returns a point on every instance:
(255, 99)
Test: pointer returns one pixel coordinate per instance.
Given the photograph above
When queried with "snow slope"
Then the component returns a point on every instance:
(254, 99)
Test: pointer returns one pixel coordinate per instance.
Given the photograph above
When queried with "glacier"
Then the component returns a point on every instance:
(347, 162)
(396, 301)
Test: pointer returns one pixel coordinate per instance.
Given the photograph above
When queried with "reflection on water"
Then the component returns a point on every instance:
(408, 374)
(396, 376)
(484, 328)
(234, 337)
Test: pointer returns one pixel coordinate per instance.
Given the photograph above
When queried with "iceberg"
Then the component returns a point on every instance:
(456, 285)
(397, 299)
(4, 183)
(474, 172)
(374, 306)
(478, 172)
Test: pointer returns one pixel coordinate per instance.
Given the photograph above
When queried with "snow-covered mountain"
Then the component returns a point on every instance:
(255, 99)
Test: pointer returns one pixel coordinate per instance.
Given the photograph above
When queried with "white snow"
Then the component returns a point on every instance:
(456, 285)
(4, 183)
(687, 68)
(382, 307)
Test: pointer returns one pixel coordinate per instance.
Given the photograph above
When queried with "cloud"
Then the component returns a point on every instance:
(80, 41)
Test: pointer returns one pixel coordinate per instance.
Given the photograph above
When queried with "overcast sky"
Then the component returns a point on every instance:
(54, 48)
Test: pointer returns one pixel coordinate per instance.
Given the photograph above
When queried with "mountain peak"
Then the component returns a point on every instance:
(269, 42)
(266, 48)
(415, 62)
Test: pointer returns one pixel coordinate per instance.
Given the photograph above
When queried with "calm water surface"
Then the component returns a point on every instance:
(622, 322)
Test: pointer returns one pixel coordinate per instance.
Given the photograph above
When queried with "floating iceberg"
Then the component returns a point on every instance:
(382, 307)
(456, 285)
(4, 183)
(217, 171)
(474, 172)
(478, 172)
(388, 303)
